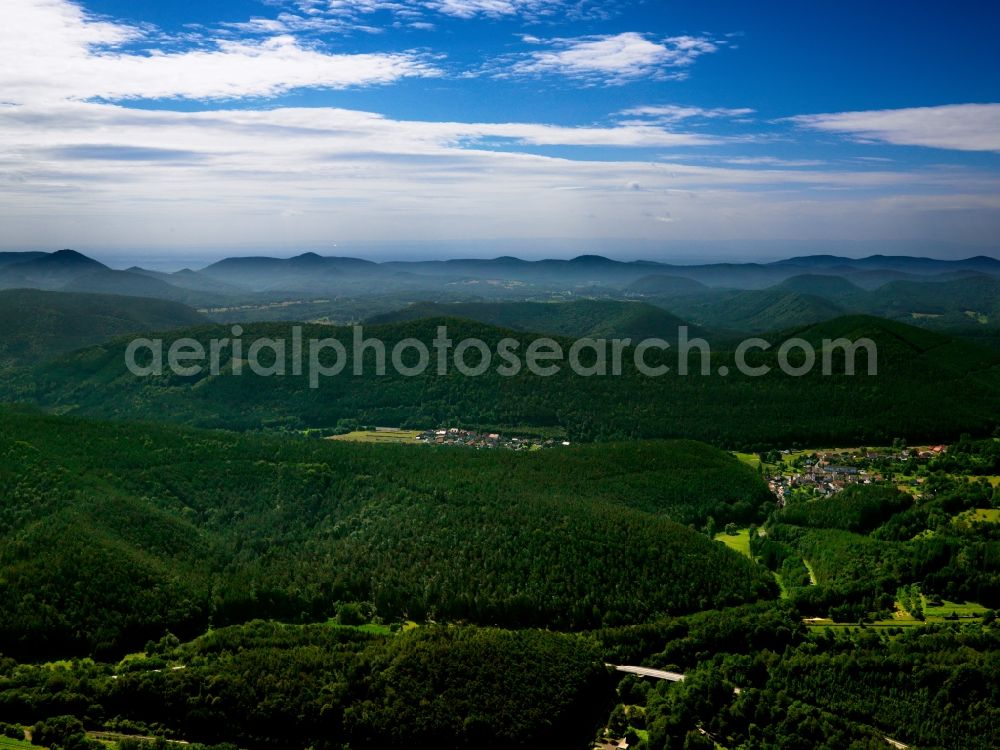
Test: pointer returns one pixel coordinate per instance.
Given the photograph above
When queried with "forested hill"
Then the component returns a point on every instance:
(928, 387)
(596, 318)
(111, 534)
(36, 326)
(756, 310)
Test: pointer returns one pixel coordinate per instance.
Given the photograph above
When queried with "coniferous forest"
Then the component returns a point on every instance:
(252, 590)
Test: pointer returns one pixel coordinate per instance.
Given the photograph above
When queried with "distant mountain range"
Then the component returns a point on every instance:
(309, 269)
(944, 294)
(70, 271)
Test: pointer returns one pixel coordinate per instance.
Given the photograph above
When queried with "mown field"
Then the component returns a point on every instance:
(740, 541)
(947, 612)
(379, 436)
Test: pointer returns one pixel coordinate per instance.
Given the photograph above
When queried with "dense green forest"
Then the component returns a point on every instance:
(112, 534)
(170, 543)
(858, 508)
(265, 685)
(752, 310)
(971, 301)
(37, 326)
(935, 686)
(916, 368)
(596, 318)
(148, 553)
(755, 677)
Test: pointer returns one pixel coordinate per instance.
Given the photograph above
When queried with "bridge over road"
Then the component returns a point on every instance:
(660, 674)
(657, 674)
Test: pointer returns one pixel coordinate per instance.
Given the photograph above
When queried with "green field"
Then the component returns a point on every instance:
(750, 459)
(740, 541)
(6, 743)
(902, 619)
(964, 609)
(989, 515)
(806, 452)
(935, 614)
(367, 628)
(379, 436)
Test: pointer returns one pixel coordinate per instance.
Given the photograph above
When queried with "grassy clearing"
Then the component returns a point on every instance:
(740, 541)
(376, 436)
(366, 628)
(806, 452)
(812, 573)
(6, 743)
(750, 459)
(987, 515)
(784, 593)
(903, 619)
(375, 629)
(962, 610)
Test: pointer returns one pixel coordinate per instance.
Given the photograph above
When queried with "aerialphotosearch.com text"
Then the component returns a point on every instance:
(319, 358)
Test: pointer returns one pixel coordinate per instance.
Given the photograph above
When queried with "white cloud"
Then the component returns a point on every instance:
(51, 49)
(491, 8)
(317, 128)
(771, 161)
(74, 172)
(613, 59)
(962, 127)
(464, 9)
(675, 113)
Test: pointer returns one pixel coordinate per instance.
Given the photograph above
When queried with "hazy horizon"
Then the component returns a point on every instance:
(686, 253)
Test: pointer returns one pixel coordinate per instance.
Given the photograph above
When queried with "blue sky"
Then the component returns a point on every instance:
(189, 127)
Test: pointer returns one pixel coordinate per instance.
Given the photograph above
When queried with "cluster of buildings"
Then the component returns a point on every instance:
(473, 439)
(827, 473)
(825, 480)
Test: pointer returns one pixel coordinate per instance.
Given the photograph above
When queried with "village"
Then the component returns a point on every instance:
(825, 473)
(453, 436)
(473, 439)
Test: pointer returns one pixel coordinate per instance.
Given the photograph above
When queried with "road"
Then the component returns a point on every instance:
(660, 674)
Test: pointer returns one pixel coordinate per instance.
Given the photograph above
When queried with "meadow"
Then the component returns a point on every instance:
(407, 437)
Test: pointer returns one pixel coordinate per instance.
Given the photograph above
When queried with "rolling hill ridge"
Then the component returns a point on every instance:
(916, 368)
